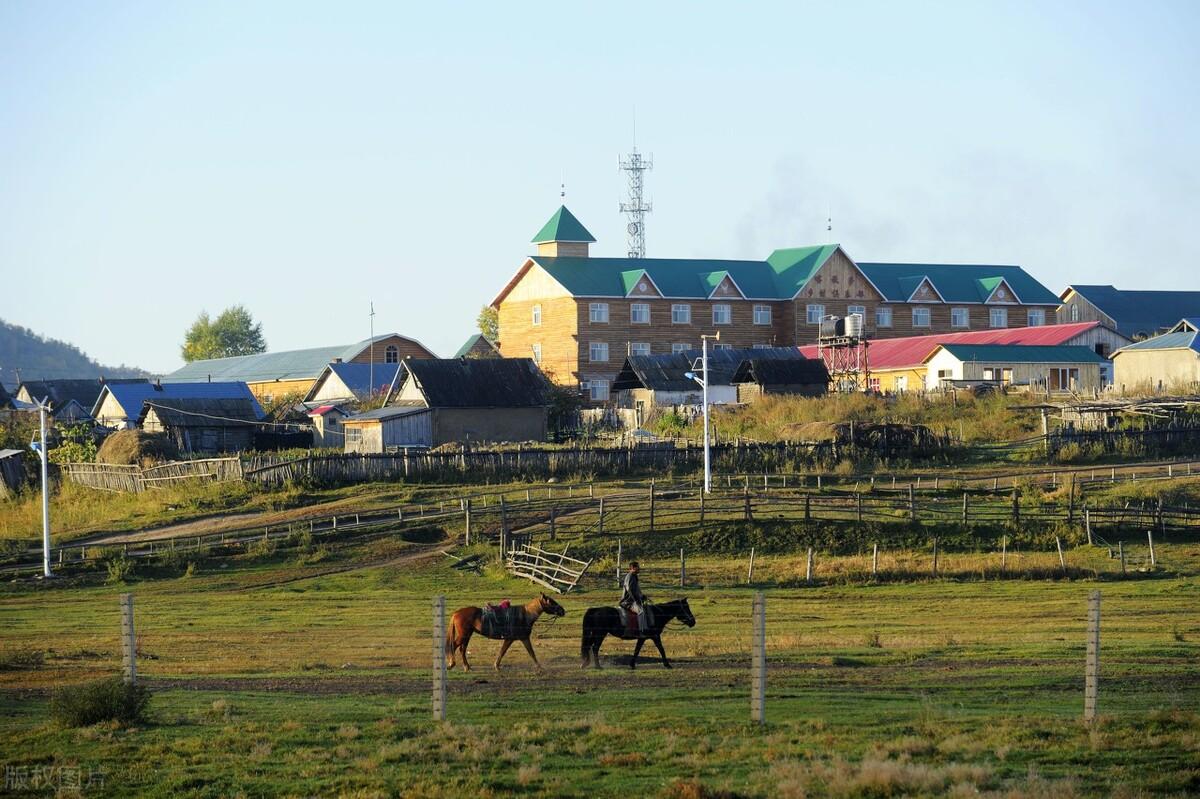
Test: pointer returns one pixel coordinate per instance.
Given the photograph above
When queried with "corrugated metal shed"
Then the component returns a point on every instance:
(897, 353)
(668, 372)
(479, 382)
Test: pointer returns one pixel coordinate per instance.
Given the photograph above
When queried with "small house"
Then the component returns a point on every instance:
(648, 381)
(1167, 362)
(352, 382)
(1053, 369)
(120, 404)
(460, 400)
(805, 377)
(327, 426)
(477, 346)
(71, 401)
(202, 425)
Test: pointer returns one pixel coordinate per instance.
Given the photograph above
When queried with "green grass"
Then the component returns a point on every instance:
(272, 676)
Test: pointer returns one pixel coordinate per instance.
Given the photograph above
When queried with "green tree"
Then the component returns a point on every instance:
(489, 323)
(234, 332)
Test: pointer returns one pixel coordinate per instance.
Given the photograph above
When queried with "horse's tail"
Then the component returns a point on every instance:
(585, 639)
(451, 640)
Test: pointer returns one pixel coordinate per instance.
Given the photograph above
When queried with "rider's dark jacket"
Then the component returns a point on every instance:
(631, 592)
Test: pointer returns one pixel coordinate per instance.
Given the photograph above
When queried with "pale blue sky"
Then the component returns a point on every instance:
(158, 159)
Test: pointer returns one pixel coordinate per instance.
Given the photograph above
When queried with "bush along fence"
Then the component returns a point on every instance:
(665, 515)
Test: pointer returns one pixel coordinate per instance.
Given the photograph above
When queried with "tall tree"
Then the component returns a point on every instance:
(234, 332)
(489, 323)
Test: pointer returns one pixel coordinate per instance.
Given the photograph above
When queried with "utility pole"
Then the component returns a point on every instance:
(703, 381)
(371, 371)
(40, 448)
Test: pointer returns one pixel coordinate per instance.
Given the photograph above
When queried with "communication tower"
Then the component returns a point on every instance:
(635, 165)
(840, 344)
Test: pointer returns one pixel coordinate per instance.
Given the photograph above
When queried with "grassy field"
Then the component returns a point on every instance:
(305, 672)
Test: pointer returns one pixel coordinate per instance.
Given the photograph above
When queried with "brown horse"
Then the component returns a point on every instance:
(467, 621)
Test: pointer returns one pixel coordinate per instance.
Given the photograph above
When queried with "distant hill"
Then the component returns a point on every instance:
(40, 358)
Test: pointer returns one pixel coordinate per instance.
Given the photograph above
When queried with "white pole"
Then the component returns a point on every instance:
(45, 495)
(704, 385)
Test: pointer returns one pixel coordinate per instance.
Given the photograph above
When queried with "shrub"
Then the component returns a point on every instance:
(24, 659)
(94, 702)
(120, 568)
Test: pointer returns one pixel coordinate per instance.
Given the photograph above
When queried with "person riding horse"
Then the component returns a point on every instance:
(633, 600)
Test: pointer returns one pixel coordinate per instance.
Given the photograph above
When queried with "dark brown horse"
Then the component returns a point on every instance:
(598, 623)
(467, 621)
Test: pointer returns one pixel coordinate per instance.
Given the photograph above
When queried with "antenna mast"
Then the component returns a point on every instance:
(635, 210)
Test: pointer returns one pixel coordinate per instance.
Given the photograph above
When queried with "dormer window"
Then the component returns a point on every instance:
(391, 354)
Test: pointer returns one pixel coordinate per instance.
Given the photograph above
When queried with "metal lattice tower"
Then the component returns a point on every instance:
(635, 166)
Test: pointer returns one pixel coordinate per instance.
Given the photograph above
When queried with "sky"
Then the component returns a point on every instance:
(307, 159)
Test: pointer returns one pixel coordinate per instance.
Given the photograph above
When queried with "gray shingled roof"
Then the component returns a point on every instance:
(792, 372)
(479, 382)
(201, 411)
(667, 372)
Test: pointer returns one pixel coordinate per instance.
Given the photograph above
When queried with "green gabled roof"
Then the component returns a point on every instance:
(956, 282)
(1021, 353)
(563, 226)
(793, 267)
(710, 280)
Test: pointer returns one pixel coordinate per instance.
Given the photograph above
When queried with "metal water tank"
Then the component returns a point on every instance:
(830, 326)
(854, 325)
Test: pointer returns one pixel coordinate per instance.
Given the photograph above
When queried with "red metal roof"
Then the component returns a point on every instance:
(324, 409)
(897, 353)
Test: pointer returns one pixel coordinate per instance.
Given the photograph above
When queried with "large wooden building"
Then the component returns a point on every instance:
(579, 316)
(287, 373)
(1135, 314)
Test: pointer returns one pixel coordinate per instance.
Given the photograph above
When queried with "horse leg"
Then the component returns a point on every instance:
(466, 639)
(636, 650)
(451, 643)
(529, 649)
(503, 648)
(585, 649)
(599, 639)
(658, 643)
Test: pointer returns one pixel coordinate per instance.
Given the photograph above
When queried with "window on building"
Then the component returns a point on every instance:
(1074, 313)
(1064, 379)
(598, 351)
(1037, 317)
(883, 317)
(681, 314)
(998, 317)
(680, 346)
(722, 314)
(960, 317)
(598, 313)
(639, 348)
(639, 313)
(861, 310)
(873, 384)
(537, 315)
(598, 390)
(719, 346)
(353, 435)
(537, 352)
(814, 313)
(391, 354)
(762, 346)
(900, 383)
(920, 317)
(945, 374)
(762, 314)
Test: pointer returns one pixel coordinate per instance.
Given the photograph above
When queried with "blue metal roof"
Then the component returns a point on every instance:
(266, 366)
(131, 396)
(1183, 340)
(357, 376)
(1141, 312)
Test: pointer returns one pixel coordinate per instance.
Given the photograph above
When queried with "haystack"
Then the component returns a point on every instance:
(137, 447)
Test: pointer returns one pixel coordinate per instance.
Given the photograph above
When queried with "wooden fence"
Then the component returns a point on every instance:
(554, 570)
(132, 479)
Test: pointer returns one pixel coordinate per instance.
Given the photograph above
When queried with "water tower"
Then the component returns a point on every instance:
(841, 346)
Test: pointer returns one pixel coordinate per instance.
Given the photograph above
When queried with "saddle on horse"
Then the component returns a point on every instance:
(503, 621)
(633, 623)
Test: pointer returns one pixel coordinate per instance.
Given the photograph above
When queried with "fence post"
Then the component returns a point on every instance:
(748, 515)
(807, 507)
(553, 532)
(935, 556)
(858, 504)
(600, 523)
(128, 641)
(439, 658)
(964, 512)
(591, 490)
(652, 505)
(758, 661)
(1087, 524)
(466, 521)
(503, 517)
(618, 563)
(701, 506)
(1003, 553)
(1016, 507)
(1071, 504)
(1121, 554)
(750, 571)
(1092, 667)
(1062, 560)
(912, 503)
(875, 559)
(682, 569)
(808, 569)
(1150, 540)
